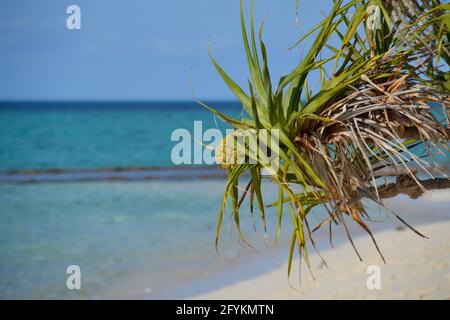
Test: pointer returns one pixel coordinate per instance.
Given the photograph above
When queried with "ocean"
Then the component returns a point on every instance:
(92, 184)
(86, 135)
(130, 237)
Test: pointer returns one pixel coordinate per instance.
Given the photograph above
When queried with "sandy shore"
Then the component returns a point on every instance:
(416, 268)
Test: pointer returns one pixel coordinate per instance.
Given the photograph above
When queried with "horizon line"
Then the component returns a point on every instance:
(117, 100)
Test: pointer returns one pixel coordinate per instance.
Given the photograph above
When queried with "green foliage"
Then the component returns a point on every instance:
(333, 142)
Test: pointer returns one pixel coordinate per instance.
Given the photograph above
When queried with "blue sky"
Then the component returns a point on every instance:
(139, 49)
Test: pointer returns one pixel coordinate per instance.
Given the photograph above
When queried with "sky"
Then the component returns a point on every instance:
(140, 49)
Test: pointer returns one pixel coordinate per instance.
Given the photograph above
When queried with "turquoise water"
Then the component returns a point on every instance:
(129, 238)
(96, 135)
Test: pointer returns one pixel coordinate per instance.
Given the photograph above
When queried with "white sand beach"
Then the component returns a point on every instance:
(416, 268)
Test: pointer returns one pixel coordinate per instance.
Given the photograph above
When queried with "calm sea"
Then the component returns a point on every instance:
(82, 135)
(130, 238)
(133, 238)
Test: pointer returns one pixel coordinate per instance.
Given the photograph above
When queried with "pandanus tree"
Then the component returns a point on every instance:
(381, 109)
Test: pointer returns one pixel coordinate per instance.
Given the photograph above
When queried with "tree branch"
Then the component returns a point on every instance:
(413, 133)
(407, 185)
